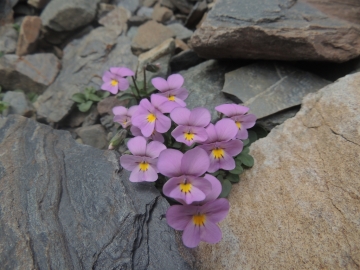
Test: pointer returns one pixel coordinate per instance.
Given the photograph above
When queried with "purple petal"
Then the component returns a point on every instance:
(137, 146)
(191, 235)
(216, 210)
(160, 84)
(233, 147)
(169, 106)
(226, 129)
(107, 76)
(199, 117)
(169, 162)
(175, 81)
(214, 164)
(242, 134)
(178, 216)
(227, 162)
(148, 129)
(108, 87)
(138, 175)
(202, 184)
(129, 162)
(135, 131)
(180, 116)
(154, 149)
(211, 132)
(123, 120)
(123, 84)
(145, 103)
(196, 195)
(195, 162)
(173, 184)
(119, 110)
(162, 123)
(181, 93)
(156, 136)
(122, 71)
(247, 121)
(210, 233)
(200, 134)
(132, 110)
(231, 109)
(178, 134)
(157, 100)
(216, 188)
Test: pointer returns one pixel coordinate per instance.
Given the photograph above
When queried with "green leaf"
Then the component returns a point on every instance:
(78, 98)
(103, 94)
(132, 102)
(176, 145)
(94, 97)
(246, 150)
(3, 106)
(90, 90)
(238, 169)
(252, 136)
(140, 85)
(16, 26)
(84, 107)
(215, 173)
(2, 54)
(233, 178)
(126, 96)
(246, 159)
(226, 188)
(32, 97)
(151, 90)
(246, 142)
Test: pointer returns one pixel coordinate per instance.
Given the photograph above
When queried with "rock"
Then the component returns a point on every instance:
(28, 36)
(162, 14)
(24, 10)
(267, 87)
(18, 104)
(116, 20)
(180, 46)
(137, 20)
(281, 30)
(131, 5)
(69, 206)
(67, 15)
(6, 12)
(63, 38)
(145, 12)
(30, 73)
(104, 9)
(75, 119)
(168, 4)
(196, 14)
(180, 31)
(93, 135)
(278, 118)
(107, 121)
(92, 117)
(185, 60)
(8, 39)
(149, 36)
(149, 3)
(298, 207)
(84, 62)
(105, 106)
(184, 6)
(153, 56)
(132, 32)
(39, 4)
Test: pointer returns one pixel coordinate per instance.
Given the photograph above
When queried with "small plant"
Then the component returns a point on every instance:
(1, 54)
(86, 100)
(16, 26)
(3, 105)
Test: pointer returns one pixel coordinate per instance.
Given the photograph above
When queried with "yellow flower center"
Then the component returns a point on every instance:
(189, 136)
(171, 98)
(238, 124)
(199, 219)
(185, 187)
(151, 118)
(114, 82)
(144, 166)
(218, 153)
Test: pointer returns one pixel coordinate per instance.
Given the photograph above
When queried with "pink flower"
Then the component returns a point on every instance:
(142, 163)
(172, 90)
(242, 120)
(185, 184)
(123, 115)
(114, 80)
(155, 136)
(221, 146)
(191, 125)
(149, 116)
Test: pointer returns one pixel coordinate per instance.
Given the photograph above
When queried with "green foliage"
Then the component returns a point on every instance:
(226, 188)
(16, 26)
(3, 106)
(32, 97)
(2, 54)
(88, 98)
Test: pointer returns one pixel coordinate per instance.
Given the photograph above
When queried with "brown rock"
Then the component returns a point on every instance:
(116, 20)
(196, 14)
(150, 35)
(298, 207)
(326, 30)
(181, 45)
(149, 3)
(105, 106)
(28, 36)
(161, 14)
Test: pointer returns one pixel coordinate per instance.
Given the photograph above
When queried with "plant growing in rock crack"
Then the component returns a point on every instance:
(192, 161)
(88, 98)
(3, 105)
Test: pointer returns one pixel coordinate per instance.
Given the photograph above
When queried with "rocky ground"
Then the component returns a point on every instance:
(65, 203)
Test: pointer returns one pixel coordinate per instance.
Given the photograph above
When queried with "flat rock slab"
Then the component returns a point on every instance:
(267, 87)
(30, 73)
(281, 29)
(298, 207)
(8, 39)
(84, 62)
(65, 205)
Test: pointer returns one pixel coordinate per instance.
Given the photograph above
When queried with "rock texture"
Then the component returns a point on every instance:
(298, 207)
(8, 39)
(28, 36)
(30, 73)
(18, 104)
(281, 29)
(116, 20)
(84, 63)
(69, 206)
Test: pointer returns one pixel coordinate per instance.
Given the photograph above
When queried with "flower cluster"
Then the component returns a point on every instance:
(183, 150)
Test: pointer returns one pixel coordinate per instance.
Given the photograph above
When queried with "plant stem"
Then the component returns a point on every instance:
(137, 89)
(144, 80)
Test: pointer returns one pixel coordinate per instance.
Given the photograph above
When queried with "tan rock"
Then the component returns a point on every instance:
(28, 36)
(116, 19)
(181, 45)
(161, 14)
(299, 206)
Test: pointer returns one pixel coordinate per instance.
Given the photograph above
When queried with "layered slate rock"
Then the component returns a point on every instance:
(84, 62)
(281, 29)
(65, 205)
(298, 207)
(8, 39)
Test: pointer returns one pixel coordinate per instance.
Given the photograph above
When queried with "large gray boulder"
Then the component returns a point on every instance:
(65, 205)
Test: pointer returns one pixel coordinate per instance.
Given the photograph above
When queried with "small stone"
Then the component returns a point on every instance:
(116, 20)
(107, 104)
(92, 117)
(39, 4)
(196, 14)
(180, 46)
(93, 135)
(18, 104)
(6, 12)
(132, 32)
(75, 119)
(145, 12)
(149, 36)
(107, 121)
(131, 5)
(149, 3)
(184, 6)
(24, 10)
(104, 9)
(180, 31)
(137, 20)
(161, 14)
(8, 39)
(28, 36)
(185, 60)
(168, 4)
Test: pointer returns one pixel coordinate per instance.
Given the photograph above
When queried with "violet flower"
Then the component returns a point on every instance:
(242, 120)
(185, 184)
(114, 80)
(142, 163)
(149, 116)
(123, 115)
(221, 145)
(172, 90)
(191, 125)
(155, 136)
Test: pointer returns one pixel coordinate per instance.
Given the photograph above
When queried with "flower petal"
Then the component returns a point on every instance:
(226, 129)
(148, 129)
(135, 131)
(181, 93)
(156, 136)
(169, 162)
(122, 71)
(137, 175)
(175, 81)
(178, 216)
(180, 116)
(178, 134)
(233, 147)
(227, 162)
(168, 106)
(210, 233)
(130, 162)
(157, 100)
(191, 235)
(242, 134)
(145, 103)
(247, 121)
(216, 210)
(153, 149)
(211, 132)
(231, 109)
(162, 123)
(123, 84)
(107, 86)
(137, 146)
(123, 120)
(195, 162)
(214, 164)
(132, 110)
(199, 117)
(119, 110)
(216, 188)
(200, 134)
(160, 84)
(107, 76)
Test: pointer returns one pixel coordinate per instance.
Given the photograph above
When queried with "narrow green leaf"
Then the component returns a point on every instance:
(103, 94)
(78, 98)
(94, 97)
(233, 178)
(2, 54)
(246, 142)
(238, 169)
(246, 150)
(84, 107)
(176, 145)
(226, 188)
(246, 159)
(252, 136)
(126, 96)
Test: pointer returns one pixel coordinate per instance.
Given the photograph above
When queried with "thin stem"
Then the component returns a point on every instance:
(144, 79)
(137, 89)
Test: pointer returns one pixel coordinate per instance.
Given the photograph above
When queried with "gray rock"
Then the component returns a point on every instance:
(104, 9)
(94, 136)
(267, 87)
(84, 63)
(30, 73)
(132, 32)
(145, 12)
(92, 117)
(281, 30)
(168, 4)
(8, 39)
(185, 60)
(107, 121)
(107, 104)
(28, 35)
(279, 118)
(137, 20)
(131, 5)
(67, 15)
(24, 10)
(196, 14)
(65, 205)
(184, 6)
(18, 104)
(180, 31)
(116, 20)
(162, 14)
(39, 4)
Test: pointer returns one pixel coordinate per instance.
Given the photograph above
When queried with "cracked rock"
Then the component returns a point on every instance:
(298, 207)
